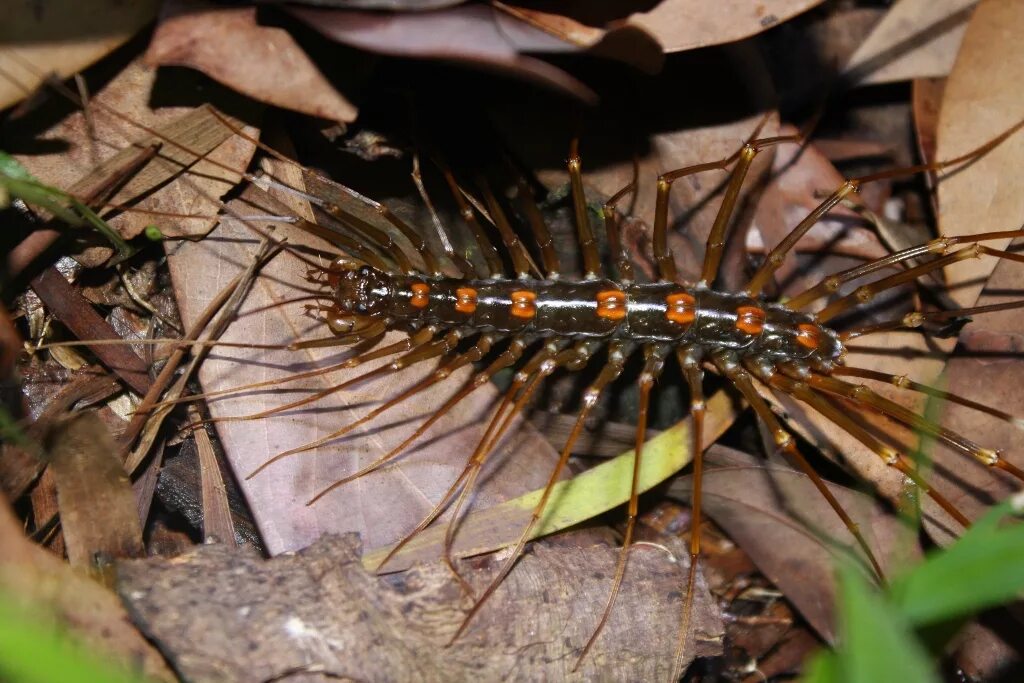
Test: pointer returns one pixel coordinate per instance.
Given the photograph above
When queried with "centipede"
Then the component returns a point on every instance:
(429, 319)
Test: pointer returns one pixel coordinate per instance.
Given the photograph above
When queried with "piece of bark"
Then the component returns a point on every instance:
(318, 615)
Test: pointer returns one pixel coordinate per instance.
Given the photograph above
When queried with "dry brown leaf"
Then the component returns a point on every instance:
(915, 39)
(129, 94)
(982, 99)
(42, 583)
(469, 34)
(688, 24)
(791, 533)
(97, 508)
(61, 37)
(262, 62)
(237, 617)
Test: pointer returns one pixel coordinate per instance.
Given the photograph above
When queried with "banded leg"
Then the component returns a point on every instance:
(689, 361)
(904, 382)
(521, 261)
(506, 359)
(916, 318)
(487, 249)
(889, 456)
(777, 255)
(865, 396)
(465, 267)
(654, 361)
(867, 292)
(584, 232)
(412, 343)
(546, 354)
(609, 373)
(611, 224)
(541, 234)
(575, 358)
(417, 355)
(728, 365)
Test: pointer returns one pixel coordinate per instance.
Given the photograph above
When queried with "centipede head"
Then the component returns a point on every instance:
(361, 295)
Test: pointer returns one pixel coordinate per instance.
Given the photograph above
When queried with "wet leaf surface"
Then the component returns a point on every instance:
(320, 613)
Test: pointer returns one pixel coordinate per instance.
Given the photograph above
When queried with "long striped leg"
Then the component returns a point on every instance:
(522, 264)
(728, 365)
(611, 370)
(889, 456)
(541, 234)
(904, 382)
(916, 318)
(938, 246)
(689, 361)
(866, 293)
(654, 361)
(418, 355)
(522, 377)
(487, 249)
(865, 396)
(506, 359)
(575, 358)
(584, 232)
(414, 343)
(777, 255)
(465, 267)
(611, 225)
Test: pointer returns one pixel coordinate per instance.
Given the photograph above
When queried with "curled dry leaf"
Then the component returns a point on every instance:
(469, 34)
(263, 62)
(791, 533)
(61, 37)
(915, 39)
(240, 618)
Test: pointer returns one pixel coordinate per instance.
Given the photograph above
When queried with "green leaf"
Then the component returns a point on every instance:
(876, 641)
(823, 667)
(984, 568)
(34, 652)
(10, 167)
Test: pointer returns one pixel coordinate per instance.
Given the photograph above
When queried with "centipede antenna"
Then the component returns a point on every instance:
(584, 232)
(466, 268)
(785, 443)
(487, 250)
(608, 374)
(865, 396)
(889, 456)
(611, 224)
(522, 264)
(777, 255)
(654, 361)
(539, 228)
(904, 382)
(689, 362)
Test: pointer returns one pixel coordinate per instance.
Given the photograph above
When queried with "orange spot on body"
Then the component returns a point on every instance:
(808, 336)
(611, 304)
(419, 295)
(750, 320)
(465, 300)
(682, 308)
(522, 303)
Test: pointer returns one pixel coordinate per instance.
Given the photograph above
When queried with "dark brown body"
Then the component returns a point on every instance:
(570, 309)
